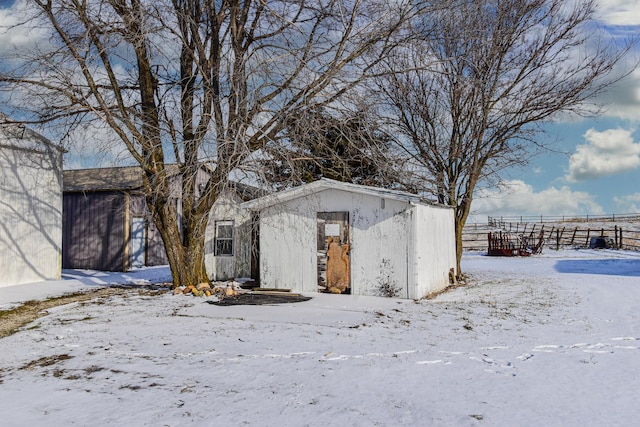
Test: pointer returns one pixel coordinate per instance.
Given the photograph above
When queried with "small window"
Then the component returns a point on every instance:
(224, 238)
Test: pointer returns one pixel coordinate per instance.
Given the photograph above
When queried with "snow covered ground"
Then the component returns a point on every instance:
(549, 340)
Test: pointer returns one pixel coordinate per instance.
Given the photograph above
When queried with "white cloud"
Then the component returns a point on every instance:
(628, 204)
(619, 12)
(517, 198)
(15, 37)
(609, 152)
(619, 22)
(622, 100)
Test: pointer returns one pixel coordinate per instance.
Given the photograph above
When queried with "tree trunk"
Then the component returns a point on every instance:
(187, 264)
(461, 213)
(459, 225)
(186, 259)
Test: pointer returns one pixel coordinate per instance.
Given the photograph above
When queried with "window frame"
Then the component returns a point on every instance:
(219, 241)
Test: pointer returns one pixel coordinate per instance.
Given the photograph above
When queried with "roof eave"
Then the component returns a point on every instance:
(324, 184)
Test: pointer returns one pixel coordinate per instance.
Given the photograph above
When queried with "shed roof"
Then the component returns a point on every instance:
(326, 184)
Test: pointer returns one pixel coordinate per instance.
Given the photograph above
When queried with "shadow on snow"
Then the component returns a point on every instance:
(612, 267)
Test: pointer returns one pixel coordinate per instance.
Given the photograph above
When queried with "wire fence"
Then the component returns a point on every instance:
(602, 231)
(503, 221)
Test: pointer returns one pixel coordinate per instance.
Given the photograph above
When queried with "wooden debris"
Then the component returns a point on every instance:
(203, 286)
(275, 292)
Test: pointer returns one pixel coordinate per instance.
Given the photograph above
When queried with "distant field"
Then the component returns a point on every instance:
(559, 232)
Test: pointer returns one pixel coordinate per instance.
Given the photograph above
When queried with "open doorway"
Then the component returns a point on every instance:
(333, 247)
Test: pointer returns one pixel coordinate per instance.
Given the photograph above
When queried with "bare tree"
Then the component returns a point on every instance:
(347, 147)
(483, 76)
(199, 81)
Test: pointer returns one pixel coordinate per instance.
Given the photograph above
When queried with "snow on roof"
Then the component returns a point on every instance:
(326, 184)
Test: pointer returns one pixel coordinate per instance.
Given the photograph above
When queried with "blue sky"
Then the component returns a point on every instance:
(594, 169)
(595, 166)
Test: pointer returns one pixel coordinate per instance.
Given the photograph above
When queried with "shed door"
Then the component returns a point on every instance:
(138, 241)
(334, 266)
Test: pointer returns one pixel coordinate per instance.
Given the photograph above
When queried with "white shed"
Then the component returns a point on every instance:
(354, 239)
(30, 206)
(231, 239)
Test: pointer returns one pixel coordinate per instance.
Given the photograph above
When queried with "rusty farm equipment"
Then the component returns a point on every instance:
(508, 244)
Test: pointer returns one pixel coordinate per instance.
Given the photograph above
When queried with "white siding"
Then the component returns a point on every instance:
(288, 247)
(435, 249)
(380, 241)
(30, 209)
(227, 208)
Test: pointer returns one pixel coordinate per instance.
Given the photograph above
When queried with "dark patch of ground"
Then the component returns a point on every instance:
(12, 320)
(260, 299)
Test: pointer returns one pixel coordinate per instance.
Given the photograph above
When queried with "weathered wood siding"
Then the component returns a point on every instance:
(94, 231)
(30, 207)
(156, 253)
(227, 208)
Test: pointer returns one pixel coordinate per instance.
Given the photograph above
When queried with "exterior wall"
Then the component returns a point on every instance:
(435, 249)
(227, 208)
(30, 208)
(97, 227)
(98, 231)
(155, 253)
(94, 231)
(381, 244)
(380, 241)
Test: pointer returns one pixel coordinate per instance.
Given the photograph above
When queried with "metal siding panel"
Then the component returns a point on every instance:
(435, 249)
(93, 236)
(30, 212)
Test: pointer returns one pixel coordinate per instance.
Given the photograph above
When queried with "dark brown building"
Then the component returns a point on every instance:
(106, 225)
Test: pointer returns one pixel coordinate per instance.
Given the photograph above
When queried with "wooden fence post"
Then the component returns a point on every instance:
(588, 231)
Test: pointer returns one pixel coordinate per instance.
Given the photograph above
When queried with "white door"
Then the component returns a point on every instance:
(138, 241)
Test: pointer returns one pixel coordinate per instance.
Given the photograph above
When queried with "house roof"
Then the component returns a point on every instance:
(130, 178)
(246, 192)
(103, 179)
(327, 184)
